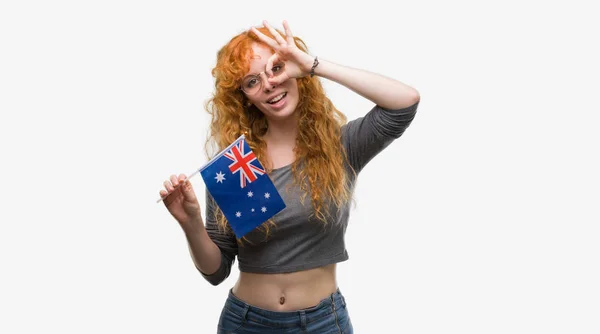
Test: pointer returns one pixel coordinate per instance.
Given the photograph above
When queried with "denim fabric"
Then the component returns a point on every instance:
(329, 316)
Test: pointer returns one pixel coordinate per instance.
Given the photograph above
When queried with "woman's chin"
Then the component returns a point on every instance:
(279, 114)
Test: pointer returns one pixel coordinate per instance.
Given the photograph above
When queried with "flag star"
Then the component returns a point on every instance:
(250, 194)
(220, 177)
(267, 195)
(263, 209)
(238, 214)
(252, 209)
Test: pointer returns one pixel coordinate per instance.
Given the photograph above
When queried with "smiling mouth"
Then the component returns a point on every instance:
(277, 98)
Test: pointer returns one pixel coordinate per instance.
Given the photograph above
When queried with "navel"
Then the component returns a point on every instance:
(282, 300)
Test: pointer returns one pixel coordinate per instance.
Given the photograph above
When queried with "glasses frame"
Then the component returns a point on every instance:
(260, 79)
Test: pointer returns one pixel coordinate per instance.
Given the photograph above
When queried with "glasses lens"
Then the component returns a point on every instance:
(251, 84)
(278, 68)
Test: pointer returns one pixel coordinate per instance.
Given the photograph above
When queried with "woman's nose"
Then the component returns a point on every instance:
(267, 86)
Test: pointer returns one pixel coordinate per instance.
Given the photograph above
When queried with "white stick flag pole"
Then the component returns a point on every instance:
(207, 164)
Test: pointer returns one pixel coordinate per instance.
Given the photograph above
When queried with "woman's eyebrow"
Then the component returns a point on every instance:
(254, 74)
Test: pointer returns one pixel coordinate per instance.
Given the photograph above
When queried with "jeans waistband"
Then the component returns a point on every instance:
(302, 317)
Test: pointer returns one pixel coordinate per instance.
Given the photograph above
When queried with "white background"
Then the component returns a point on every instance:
(482, 218)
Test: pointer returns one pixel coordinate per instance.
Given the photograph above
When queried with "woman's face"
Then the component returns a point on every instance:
(276, 103)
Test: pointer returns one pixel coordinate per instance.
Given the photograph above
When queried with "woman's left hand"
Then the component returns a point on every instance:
(297, 62)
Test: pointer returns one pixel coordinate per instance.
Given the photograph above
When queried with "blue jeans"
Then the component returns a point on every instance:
(329, 316)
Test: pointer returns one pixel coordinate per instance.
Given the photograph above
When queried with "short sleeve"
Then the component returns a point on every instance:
(364, 137)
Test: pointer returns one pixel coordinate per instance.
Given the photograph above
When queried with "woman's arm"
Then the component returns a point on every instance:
(212, 252)
(383, 91)
(204, 252)
(363, 138)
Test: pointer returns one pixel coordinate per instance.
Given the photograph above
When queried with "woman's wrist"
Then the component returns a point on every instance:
(307, 64)
(194, 226)
(317, 66)
(314, 65)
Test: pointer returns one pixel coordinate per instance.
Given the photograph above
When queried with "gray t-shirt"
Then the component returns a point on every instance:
(299, 241)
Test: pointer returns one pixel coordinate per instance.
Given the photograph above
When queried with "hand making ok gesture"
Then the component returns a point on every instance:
(298, 63)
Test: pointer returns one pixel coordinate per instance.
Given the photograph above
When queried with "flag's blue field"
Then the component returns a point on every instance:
(241, 187)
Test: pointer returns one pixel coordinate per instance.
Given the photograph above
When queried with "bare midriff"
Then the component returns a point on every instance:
(286, 292)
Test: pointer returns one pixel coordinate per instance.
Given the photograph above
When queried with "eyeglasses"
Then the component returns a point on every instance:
(253, 83)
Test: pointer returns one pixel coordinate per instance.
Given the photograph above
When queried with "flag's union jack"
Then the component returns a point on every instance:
(242, 162)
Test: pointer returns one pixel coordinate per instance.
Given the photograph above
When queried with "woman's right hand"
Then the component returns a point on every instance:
(182, 202)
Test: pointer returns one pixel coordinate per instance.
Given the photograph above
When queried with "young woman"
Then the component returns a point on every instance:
(267, 87)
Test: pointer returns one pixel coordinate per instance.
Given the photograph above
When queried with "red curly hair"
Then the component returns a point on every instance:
(318, 143)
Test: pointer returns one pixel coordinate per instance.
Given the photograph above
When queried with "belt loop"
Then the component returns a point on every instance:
(302, 319)
(245, 312)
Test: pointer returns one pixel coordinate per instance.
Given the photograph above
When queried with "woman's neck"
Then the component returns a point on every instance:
(282, 131)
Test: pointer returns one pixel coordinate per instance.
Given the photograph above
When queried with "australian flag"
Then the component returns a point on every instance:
(241, 187)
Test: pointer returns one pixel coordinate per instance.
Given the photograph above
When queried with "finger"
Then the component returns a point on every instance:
(272, 60)
(174, 181)
(163, 194)
(181, 179)
(276, 81)
(288, 33)
(168, 186)
(275, 33)
(267, 40)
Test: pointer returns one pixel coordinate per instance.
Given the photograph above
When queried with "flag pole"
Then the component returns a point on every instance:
(242, 136)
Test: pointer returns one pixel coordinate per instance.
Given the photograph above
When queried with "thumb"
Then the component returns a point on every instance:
(269, 67)
(276, 81)
(188, 192)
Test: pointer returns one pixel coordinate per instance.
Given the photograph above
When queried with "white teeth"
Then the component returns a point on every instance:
(276, 98)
